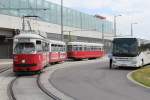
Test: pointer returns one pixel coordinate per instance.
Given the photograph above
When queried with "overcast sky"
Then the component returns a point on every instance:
(131, 11)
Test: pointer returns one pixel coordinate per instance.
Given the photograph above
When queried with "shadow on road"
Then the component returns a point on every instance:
(118, 68)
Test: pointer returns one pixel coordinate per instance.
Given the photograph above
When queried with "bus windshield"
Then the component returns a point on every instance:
(24, 48)
(125, 47)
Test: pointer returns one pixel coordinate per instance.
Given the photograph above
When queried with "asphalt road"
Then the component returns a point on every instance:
(94, 81)
(25, 88)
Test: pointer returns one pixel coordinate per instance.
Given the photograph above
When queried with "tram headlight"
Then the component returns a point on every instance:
(23, 61)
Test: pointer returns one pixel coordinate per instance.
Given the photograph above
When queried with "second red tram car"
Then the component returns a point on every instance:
(81, 50)
(31, 52)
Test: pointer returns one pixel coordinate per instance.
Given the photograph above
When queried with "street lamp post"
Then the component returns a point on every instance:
(103, 32)
(132, 28)
(62, 24)
(103, 37)
(70, 38)
(115, 26)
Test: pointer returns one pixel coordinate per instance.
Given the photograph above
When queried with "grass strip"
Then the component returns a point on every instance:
(142, 76)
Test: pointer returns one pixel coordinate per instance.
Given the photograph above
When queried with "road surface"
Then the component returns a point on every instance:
(95, 81)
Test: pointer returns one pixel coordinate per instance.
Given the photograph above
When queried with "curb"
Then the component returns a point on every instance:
(6, 63)
(135, 82)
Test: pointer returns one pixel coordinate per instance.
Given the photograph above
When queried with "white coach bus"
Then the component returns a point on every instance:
(130, 52)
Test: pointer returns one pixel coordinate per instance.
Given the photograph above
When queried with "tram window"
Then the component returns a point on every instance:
(53, 48)
(92, 48)
(24, 48)
(61, 48)
(38, 42)
(80, 48)
(95, 48)
(39, 48)
(58, 48)
(76, 48)
(69, 48)
(88, 48)
(85, 48)
(45, 46)
(100, 48)
(64, 48)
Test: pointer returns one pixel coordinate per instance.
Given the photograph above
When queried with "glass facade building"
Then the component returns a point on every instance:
(51, 12)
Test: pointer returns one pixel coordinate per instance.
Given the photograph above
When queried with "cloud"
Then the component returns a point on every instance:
(131, 11)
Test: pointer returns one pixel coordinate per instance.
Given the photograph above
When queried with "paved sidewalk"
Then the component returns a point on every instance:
(6, 61)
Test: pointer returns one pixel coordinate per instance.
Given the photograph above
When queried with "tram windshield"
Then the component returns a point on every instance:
(24, 48)
(125, 47)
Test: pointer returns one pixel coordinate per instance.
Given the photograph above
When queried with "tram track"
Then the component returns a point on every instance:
(4, 69)
(48, 93)
(11, 94)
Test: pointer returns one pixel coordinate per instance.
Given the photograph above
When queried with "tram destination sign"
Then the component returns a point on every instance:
(24, 40)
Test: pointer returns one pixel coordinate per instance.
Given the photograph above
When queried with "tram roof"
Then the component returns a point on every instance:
(84, 43)
(31, 34)
(56, 42)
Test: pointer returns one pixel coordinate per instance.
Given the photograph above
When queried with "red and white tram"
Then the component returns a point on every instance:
(57, 51)
(81, 50)
(30, 52)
